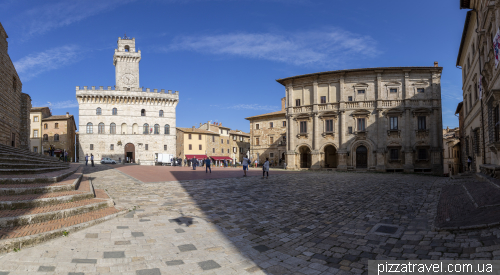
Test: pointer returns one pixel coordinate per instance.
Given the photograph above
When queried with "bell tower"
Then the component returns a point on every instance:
(126, 61)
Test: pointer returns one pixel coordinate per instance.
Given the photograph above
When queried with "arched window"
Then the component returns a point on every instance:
(89, 128)
(127, 48)
(157, 129)
(115, 111)
(100, 128)
(98, 111)
(45, 137)
(56, 137)
(161, 113)
(146, 129)
(167, 129)
(45, 126)
(112, 128)
(143, 112)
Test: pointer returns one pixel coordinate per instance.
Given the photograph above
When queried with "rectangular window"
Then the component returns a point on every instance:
(213, 150)
(349, 130)
(91, 146)
(394, 154)
(422, 154)
(213, 138)
(284, 123)
(420, 90)
(303, 127)
(257, 142)
(257, 126)
(271, 140)
(394, 123)
(361, 91)
(421, 123)
(199, 137)
(271, 125)
(146, 147)
(241, 150)
(111, 147)
(271, 155)
(234, 137)
(393, 91)
(35, 119)
(199, 147)
(323, 99)
(222, 150)
(349, 98)
(189, 136)
(57, 126)
(235, 150)
(497, 122)
(190, 147)
(221, 141)
(227, 141)
(297, 102)
(35, 133)
(361, 124)
(228, 151)
(35, 149)
(164, 147)
(329, 125)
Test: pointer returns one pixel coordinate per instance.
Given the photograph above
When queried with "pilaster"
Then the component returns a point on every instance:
(408, 150)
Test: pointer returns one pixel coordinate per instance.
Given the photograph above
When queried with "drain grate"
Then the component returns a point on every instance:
(387, 229)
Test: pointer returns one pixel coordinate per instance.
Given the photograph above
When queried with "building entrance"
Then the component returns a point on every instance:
(361, 157)
(305, 157)
(130, 153)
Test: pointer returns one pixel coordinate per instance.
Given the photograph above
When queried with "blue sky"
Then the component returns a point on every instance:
(223, 56)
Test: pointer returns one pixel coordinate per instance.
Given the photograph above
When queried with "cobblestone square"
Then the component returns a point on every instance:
(291, 223)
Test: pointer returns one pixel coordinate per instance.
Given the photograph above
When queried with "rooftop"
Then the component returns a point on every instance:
(268, 114)
(196, 130)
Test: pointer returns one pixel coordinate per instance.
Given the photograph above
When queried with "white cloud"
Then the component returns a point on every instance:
(249, 107)
(35, 64)
(331, 47)
(63, 104)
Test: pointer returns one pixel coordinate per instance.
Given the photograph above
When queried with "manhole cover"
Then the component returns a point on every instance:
(386, 229)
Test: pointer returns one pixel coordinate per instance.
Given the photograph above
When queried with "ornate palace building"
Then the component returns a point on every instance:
(126, 122)
(383, 119)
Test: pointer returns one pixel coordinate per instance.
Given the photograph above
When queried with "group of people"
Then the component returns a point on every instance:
(52, 153)
(91, 159)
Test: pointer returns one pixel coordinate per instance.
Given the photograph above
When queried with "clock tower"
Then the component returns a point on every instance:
(126, 61)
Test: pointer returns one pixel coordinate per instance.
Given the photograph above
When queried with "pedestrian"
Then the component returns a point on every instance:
(265, 168)
(225, 163)
(245, 165)
(194, 162)
(65, 156)
(207, 165)
(469, 161)
(86, 159)
(185, 161)
(92, 159)
(256, 163)
(272, 163)
(120, 160)
(284, 164)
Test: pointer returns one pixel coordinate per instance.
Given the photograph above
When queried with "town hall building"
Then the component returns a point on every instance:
(127, 122)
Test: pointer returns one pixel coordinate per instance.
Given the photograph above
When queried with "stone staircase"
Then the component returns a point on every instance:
(37, 207)
(21, 161)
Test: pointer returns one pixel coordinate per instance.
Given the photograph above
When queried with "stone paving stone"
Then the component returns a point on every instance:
(261, 248)
(114, 254)
(144, 220)
(91, 235)
(153, 271)
(84, 261)
(76, 273)
(122, 242)
(44, 268)
(186, 247)
(207, 265)
(122, 227)
(4, 273)
(174, 262)
(179, 230)
(137, 234)
(129, 215)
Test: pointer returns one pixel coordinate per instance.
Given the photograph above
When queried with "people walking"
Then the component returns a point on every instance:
(284, 165)
(92, 159)
(65, 156)
(245, 165)
(469, 161)
(86, 159)
(256, 163)
(207, 165)
(265, 168)
(185, 161)
(194, 162)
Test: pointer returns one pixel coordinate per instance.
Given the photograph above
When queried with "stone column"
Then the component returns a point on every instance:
(408, 133)
(316, 133)
(381, 137)
(342, 152)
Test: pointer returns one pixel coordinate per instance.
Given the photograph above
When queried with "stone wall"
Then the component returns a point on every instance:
(264, 132)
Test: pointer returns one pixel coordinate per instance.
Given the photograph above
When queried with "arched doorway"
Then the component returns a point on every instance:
(305, 157)
(361, 157)
(330, 156)
(130, 153)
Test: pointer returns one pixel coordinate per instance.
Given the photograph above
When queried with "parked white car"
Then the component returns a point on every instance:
(108, 161)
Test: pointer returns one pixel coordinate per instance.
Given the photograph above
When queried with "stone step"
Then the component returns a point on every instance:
(29, 235)
(67, 184)
(53, 176)
(6, 150)
(20, 217)
(84, 191)
(27, 160)
(18, 171)
(31, 165)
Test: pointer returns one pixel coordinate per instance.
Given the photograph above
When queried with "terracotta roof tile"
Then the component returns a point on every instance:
(268, 114)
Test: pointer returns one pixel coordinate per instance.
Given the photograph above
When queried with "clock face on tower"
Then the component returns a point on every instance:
(128, 79)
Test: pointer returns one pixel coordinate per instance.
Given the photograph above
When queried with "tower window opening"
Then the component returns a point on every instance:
(127, 48)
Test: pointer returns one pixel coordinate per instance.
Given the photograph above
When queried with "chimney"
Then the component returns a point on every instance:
(436, 64)
(67, 114)
(200, 124)
(208, 125)
(283, 103)
(193, 128)
(220, 123)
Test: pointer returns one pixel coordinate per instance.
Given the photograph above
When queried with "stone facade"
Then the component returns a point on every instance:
(36, 116)
(193, 141)
(384, 119)
(268, 135)
(14, 105)
(126, 122)
(451, 152)
(481, 109)
(59, 131)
